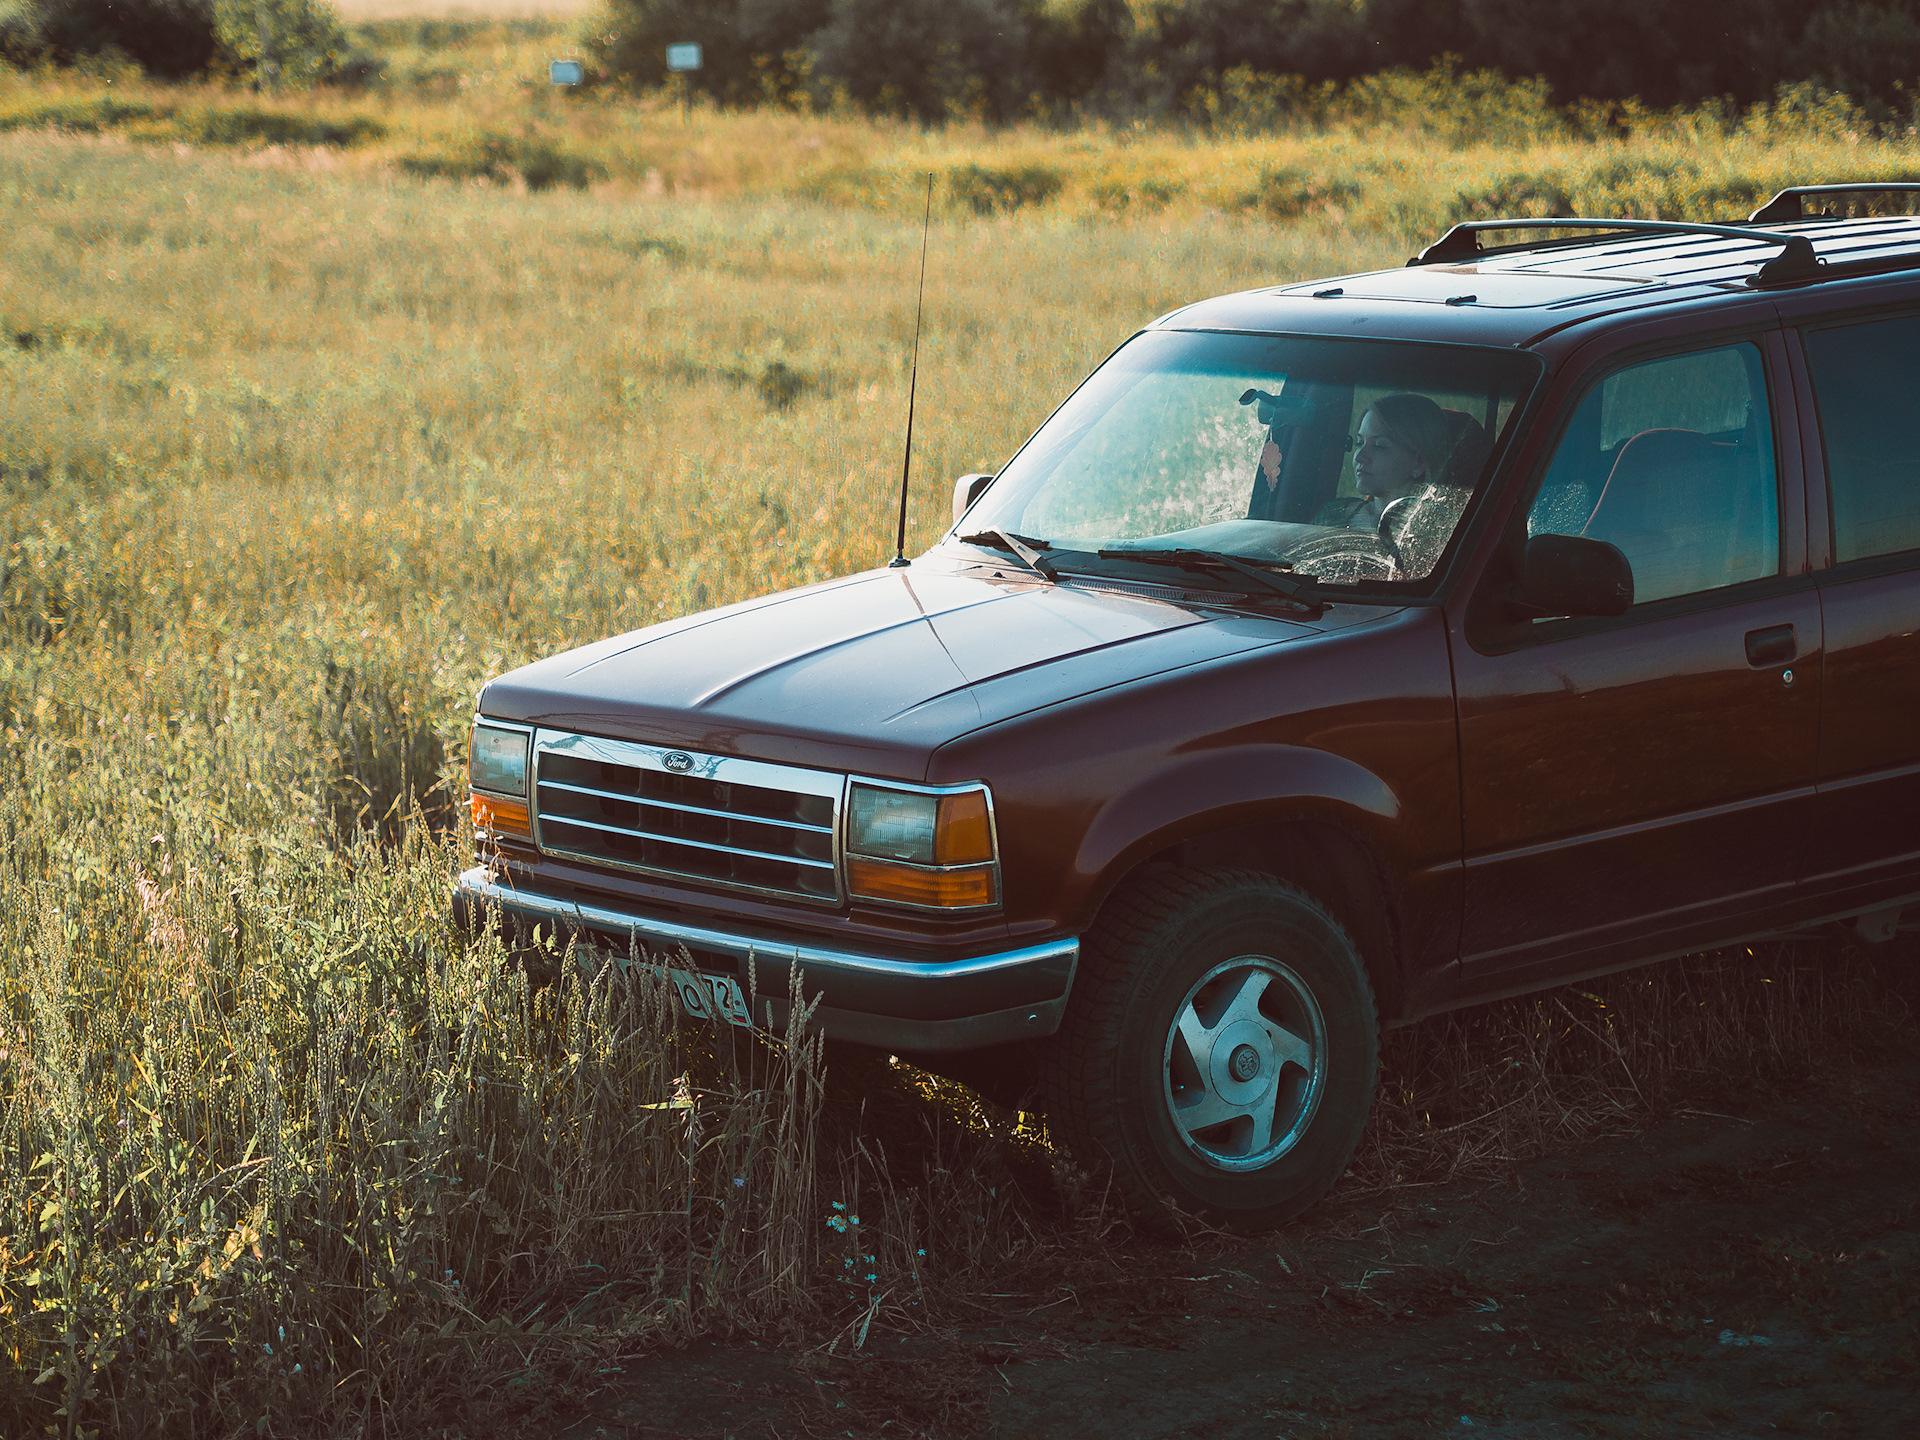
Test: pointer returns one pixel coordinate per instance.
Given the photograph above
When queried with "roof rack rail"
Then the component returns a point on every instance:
(1787, 205)
(1796, 260)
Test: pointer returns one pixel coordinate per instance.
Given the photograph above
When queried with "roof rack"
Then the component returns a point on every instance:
(1796, 260)
(1787, 204)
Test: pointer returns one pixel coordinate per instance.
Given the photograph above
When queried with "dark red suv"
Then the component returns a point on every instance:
(1337, 654)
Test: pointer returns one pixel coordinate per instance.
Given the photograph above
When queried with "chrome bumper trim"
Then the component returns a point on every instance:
(874, 999)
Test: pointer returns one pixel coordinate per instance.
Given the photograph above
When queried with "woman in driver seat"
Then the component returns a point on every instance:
(1405, 443)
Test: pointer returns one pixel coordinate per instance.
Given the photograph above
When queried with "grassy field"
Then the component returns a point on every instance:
(312, 417)
(1395, 158)
(362, 12)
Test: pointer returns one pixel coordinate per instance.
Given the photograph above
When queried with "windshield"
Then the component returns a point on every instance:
(1351, 462)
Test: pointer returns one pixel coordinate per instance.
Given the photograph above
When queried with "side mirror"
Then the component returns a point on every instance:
(1572, 575)
(966, 490)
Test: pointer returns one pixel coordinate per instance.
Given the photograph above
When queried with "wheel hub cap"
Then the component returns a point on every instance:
(1246, 1061)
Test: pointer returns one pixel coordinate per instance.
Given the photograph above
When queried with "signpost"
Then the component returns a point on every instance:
(682, 59)
(566, 72)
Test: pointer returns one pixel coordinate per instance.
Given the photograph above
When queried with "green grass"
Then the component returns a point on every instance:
(297, 448)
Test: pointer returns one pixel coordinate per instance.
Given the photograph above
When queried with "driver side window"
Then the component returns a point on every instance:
(1672, 460)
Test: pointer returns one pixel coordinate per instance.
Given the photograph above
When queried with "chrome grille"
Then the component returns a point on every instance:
(648, 808)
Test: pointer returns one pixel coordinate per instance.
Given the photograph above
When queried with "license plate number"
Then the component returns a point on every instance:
(706, 997)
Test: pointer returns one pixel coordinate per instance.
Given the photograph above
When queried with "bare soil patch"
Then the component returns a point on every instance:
(1746, 1267)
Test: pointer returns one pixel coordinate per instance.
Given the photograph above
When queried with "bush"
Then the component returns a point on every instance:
(168, 38)
(1868, 51)
(541, 164)
(745, 44)
(1078, 49)
(245, 124)
(1253, 65)
(20, 42)
(86, 117)
(995, 192)
(930, 58)
(934, 59)
(281, 42)
(1144, 195)
(1287, 192)
(1480, 107)
(1659, 53)
(272, 42)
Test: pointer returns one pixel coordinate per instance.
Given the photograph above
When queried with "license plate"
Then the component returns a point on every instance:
(706, 997)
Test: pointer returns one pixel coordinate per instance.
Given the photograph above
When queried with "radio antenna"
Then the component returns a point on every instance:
(913, 385)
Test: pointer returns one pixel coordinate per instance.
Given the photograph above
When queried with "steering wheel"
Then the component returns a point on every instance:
(1347, 555)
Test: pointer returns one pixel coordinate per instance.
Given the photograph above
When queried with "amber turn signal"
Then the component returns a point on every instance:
(961, 835)
(911, 885)
(502, 819)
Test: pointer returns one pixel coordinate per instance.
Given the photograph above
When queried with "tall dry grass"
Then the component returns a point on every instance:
(293, 461)
(296, 450)
(1467, 1095)
(283, 1156)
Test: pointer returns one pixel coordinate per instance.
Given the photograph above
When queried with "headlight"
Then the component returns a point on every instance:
(498, 760)
(915, 847)
(892, 825)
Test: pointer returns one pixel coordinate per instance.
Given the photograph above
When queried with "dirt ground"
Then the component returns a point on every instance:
(1751, 1271)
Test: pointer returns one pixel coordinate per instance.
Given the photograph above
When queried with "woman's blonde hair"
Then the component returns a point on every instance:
(1422, 426)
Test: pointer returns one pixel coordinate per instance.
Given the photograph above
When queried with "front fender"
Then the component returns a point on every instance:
(1353, 730)
(1222, 789)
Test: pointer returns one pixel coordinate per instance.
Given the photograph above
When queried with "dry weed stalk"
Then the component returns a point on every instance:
(1467, 1095)
(378, 1164)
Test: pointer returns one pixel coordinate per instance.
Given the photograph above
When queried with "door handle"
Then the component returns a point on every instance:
(1774, 645)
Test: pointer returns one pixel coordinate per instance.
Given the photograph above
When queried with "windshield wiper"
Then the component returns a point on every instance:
(1018, 546)
(1300, 589)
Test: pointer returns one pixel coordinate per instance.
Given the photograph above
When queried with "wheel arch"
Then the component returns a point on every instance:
(1324, 854)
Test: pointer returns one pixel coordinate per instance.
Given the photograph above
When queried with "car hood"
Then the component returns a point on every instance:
(871, 672)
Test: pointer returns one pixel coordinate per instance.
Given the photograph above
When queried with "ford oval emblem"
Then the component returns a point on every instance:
(678, 761)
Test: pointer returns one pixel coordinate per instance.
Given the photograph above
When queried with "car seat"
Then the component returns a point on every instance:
(1419, 526)
(1673, 504)
(1875, 499)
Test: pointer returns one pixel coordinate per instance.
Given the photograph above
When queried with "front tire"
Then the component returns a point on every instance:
(1220, 1049)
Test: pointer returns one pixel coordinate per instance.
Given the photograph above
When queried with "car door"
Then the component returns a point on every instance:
(1639, 783)
(1863, 374)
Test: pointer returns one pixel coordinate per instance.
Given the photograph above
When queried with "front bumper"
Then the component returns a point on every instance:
(908, 1005)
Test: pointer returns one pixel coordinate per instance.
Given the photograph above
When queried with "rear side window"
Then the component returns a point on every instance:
(1672, 460)
(1866, 381)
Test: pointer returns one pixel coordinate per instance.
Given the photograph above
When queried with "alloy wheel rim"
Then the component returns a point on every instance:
(1245, 1063)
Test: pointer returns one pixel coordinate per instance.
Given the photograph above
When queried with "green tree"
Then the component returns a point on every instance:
(1870, 51)
(168, 38)
(277, 43)
(935, 59)
(741, 40)
(1076, 48)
